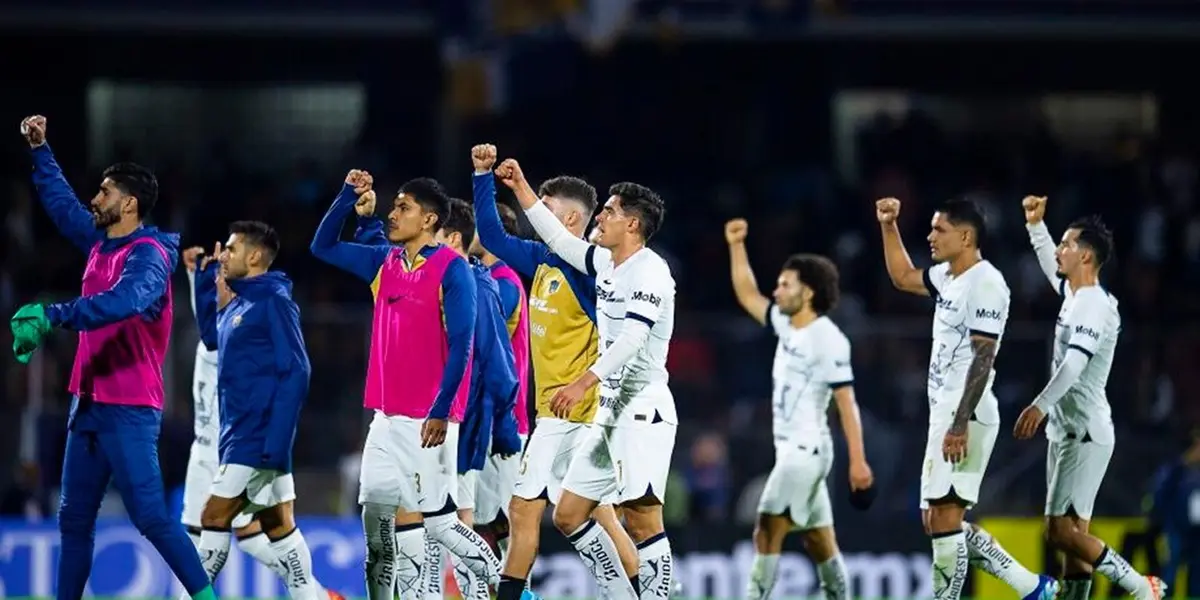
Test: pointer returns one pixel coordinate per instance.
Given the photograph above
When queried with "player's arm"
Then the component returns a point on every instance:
(1086, 323)
(500, 374)
(522, 255)
(510, 299)
(745, 286)
(292, 370)
(582, 256)
(459, 307)
(369, 232)
(1041, 240)
(362, 260)
(143, 282)
(68, 213)
(904, 275)
(987, 313)
(840, 375)
(204, 301)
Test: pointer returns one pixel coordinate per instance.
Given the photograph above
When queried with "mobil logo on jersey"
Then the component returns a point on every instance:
(640, 296)
(1086, 331)
(988, 314)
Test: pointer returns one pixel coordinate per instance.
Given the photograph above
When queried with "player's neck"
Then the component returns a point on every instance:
(624, 250)
(803, 318)
(412, 248)
(1085, 278)
(252, 272)
(965, 261)
(121, 229)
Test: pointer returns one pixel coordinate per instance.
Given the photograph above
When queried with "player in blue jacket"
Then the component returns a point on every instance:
(245, 312)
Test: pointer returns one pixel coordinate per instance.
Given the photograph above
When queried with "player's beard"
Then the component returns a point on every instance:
(103, 219)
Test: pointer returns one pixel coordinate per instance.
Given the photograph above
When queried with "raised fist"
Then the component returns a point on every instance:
(510, 173)
(483, 157)
(1035, 209)
(736, 230)
(34, 130)
(365, 206)
(191, 256)
(886, 210)
(361, 180)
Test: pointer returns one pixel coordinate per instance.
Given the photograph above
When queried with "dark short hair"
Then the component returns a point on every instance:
(508, 218)
(1096, 236)
(965, 212)
(260, 235)
(137, 181)
(461, 220)
(570, 188)
(430, 195)
(643, 203)
(820, 275)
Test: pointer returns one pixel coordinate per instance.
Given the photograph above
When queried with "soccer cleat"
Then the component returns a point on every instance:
(1047, 589)
(1158, 589)
(334, 595)
(528, 594)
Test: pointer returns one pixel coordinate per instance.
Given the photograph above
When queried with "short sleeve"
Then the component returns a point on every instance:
(838, 371)
(650, 289)
(935, 277)
(987, 307)
(776, 321)
(1087, 320)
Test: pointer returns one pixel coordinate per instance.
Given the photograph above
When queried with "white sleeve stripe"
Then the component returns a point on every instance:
(1081, 349)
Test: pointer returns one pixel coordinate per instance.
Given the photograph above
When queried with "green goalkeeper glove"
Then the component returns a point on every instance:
(29, 328)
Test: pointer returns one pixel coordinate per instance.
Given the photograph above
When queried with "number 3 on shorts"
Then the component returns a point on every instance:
(417, 477)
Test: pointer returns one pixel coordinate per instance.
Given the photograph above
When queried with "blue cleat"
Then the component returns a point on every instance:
(528, 594)
(1047, 589)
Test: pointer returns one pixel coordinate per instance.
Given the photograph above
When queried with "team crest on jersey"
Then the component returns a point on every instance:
(553, 286)
(237, 320)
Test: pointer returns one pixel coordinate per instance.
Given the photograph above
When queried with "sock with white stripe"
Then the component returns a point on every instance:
(599, 553)
(988, 555)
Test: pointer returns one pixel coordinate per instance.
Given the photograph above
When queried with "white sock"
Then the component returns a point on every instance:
(1075, 587)
(465, 543)
(259, 547)
(949, 565)
(470, 586)
(214, 551)
(762, 576)
(379, 523)
(832, 575)
(292, 552)
(655, 567)
(410, 557)
(599, 553)
(987, 554)
(432, 581)
(1118, 570)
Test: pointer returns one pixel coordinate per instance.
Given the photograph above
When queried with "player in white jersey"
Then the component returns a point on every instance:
(1074, 403)
(812, 365)
(628, 450)
(972, 301)
(204, 459)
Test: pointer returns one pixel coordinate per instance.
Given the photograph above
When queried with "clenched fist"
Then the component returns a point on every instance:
(1035, 209)
(34, 130)
(483, 157)
(510, 173)
(361, 180)
(365, 205)
(886, 210)
(735, 231)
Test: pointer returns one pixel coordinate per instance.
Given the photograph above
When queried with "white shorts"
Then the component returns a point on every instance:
(627, 461)
(201, 472)
(1074, 472)
(495, 487)
(940, 478)
(544, 463)
(264, 488)
(397, 471)
(796, 486)
(468, 484)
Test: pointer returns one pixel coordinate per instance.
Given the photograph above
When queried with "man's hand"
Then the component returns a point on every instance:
(570, 395)
(224, 294)
(510, 174)
(1028, 423)
(433, 433)
(365, 206)
(886, 210)
(483, 157)
(861, 477)
(954, 445)
(34, 130)
(360, 180)
(191, 257)
(29, 329)
(735, 231)
(1035, 209)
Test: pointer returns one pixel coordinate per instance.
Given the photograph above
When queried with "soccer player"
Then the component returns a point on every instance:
(246, 313)
(123, 317)
(424, 323)
(1074, 404)
(205, 458)
(972, 301)
(563, 344)
(812, 364)
(628, 450)
(498, 480)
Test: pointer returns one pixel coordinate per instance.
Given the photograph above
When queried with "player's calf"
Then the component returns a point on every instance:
(988, 555)
(943, 521)
(594, 544)
(643, 520)
(525, 518)
(1069, 534)
(821, 545)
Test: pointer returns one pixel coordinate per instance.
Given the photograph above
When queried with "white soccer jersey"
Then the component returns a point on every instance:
(976, 303)
(205, 410)
(810, 362)
(1088, 322)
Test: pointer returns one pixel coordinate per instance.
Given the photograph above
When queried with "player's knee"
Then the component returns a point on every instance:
(152, 521)
(820, 544)
(769, 534)
(568, 521)
(1059, 531)
(73, 521)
